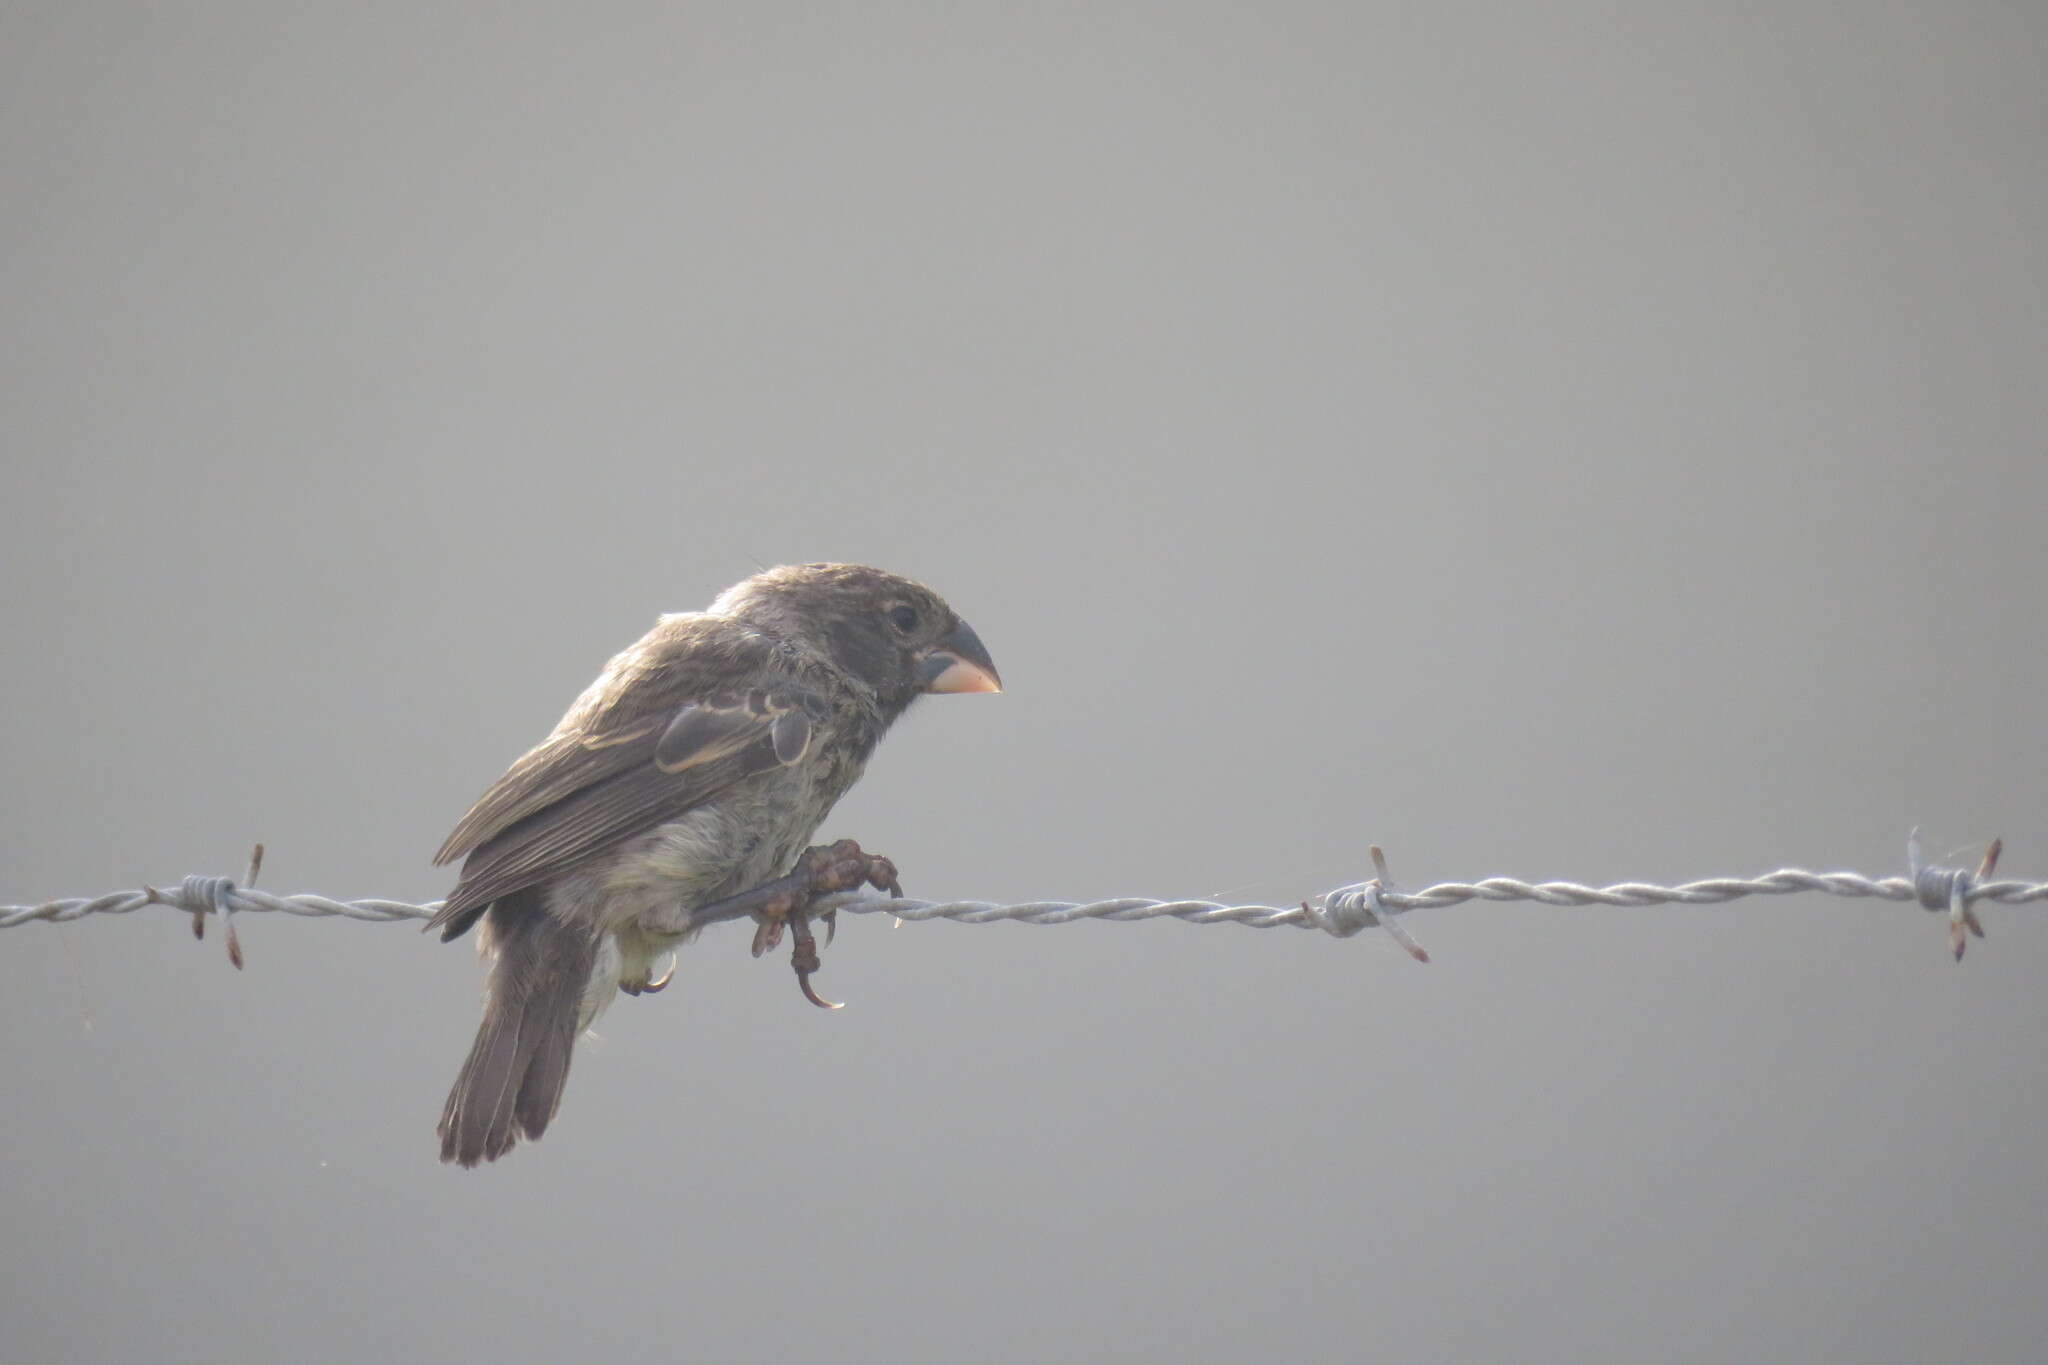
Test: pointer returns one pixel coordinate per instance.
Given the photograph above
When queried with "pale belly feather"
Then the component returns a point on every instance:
(737, 842)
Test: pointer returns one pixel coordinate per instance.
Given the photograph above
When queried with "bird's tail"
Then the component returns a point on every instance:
(512, 1083)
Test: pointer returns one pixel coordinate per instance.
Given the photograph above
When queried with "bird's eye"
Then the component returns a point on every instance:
(903, 618)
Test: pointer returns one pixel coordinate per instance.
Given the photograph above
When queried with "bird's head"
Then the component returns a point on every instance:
(894, 634)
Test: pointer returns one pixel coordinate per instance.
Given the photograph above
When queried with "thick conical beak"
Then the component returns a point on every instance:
(958, 663)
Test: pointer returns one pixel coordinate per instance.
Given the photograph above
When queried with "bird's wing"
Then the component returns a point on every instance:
(653, 747)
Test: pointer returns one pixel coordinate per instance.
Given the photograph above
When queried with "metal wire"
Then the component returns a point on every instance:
(1342, 912)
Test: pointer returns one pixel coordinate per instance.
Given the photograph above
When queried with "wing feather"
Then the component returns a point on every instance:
(643, 747)
(553, 770)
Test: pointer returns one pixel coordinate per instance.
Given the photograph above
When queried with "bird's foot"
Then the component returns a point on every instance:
(822, 871)
(652, 987)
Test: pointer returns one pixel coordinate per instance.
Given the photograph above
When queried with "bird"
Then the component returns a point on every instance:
(694, 769)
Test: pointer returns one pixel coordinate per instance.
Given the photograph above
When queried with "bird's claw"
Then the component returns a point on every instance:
(654, 987)
(824, 870)
(803, 957)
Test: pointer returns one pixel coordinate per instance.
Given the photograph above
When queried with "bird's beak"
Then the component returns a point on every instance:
(958, 663)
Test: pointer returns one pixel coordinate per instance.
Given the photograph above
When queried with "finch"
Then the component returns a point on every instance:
(698, 765)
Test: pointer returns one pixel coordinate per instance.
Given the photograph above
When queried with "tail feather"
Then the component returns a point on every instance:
(540, 1093)
(512, 1083)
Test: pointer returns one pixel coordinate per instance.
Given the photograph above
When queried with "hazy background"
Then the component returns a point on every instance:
(1603, 443)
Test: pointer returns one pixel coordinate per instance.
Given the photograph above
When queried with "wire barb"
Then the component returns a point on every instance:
(1950, 889)
(1350, 909)
(1341, 913)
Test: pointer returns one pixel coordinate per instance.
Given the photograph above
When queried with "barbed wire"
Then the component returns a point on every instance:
(1342, 912)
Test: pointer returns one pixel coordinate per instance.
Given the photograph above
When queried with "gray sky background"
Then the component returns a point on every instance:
(1576, 441)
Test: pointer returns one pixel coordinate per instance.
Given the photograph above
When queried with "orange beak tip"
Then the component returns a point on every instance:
(961, 675)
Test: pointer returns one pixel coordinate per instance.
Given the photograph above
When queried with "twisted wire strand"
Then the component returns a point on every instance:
(1342, 912)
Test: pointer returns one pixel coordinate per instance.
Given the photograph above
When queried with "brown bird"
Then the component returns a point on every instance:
(697, 766)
